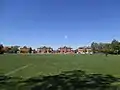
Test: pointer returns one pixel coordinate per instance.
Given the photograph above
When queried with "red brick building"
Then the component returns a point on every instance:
(65, 50)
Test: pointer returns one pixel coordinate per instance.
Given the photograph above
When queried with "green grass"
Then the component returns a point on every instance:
(33, 65)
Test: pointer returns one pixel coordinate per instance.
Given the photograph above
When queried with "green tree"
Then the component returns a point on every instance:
(30, 50)
(115, 46)
(15, 49)
(100, 47)
(106, 48)
(94, 47)
(111, 48)
(34, 51)
(1, 49)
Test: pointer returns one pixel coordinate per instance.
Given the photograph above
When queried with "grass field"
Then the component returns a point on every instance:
(33, 65)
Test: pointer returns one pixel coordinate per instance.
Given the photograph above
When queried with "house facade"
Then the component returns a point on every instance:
(81, 50)
(44, 49)
(84, 50)
(24, 49)
(65, 50)
(7, 48)
(89, 50)
(56, 51)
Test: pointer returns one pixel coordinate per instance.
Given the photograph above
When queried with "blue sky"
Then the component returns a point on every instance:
(58, 22)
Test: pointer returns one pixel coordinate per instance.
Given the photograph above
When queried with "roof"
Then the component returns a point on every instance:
(88, 48)
(84, 48)
(81, 48)
(24, 48)
(45, 47)
(65, 47)
(7, 47)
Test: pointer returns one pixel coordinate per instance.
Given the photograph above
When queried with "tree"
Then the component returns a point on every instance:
(1, 49)
(115, 45)
(14, 49)
(94, 47)
(111, 48)
(106, 48)
(34, 51)
(30, 50)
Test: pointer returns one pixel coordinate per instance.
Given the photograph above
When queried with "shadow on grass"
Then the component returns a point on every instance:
(71, 80)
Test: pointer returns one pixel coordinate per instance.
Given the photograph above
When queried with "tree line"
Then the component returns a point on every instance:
(109, 48)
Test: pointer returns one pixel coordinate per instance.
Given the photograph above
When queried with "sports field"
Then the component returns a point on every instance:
(33, 65)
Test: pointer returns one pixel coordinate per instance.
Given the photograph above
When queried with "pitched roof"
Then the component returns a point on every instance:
(44, 47)
(81, 48)
(88, 47)
(65, 47)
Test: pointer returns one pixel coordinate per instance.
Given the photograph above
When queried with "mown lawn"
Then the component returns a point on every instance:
(33, 65)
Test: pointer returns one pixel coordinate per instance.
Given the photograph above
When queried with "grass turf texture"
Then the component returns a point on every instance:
(33, 65)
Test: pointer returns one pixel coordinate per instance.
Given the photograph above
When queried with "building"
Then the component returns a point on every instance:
(65, 50)
(7, 49)
(81, 50)
(11, 49)
(44, 49)
(24, 49)
(89, 50)
(56, 52)
(84, 50)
